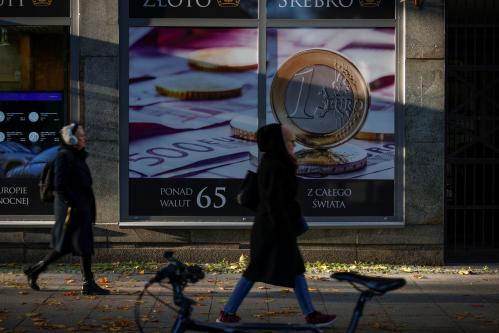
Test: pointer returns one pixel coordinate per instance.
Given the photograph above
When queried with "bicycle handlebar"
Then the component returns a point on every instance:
(177, 272)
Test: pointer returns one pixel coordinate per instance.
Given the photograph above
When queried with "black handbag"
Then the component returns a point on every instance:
(247, 196)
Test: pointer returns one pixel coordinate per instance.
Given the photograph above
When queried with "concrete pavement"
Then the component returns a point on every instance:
(428, 303)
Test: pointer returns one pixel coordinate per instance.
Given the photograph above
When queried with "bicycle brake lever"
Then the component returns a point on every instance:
(162, 274)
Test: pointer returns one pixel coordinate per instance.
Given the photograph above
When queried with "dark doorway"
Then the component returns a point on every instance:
(472, 130)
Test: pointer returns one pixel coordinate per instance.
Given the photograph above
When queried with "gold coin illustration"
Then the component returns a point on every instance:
(198, 86)
(321, 96)
(244, 127)
(224, 59)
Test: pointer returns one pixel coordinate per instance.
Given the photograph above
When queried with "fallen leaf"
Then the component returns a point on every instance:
(71, 293)
(103, 280)
(53, 302)
(31, 314)
(466, 271)
(463, 315)
(385, 326)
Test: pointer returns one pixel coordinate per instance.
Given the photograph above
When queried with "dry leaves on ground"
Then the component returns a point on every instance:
(385, 326)
(465, 271)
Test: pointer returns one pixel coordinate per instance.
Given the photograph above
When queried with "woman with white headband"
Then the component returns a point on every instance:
(74, 209)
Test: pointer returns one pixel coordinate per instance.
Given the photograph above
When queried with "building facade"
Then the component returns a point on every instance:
(168, 151)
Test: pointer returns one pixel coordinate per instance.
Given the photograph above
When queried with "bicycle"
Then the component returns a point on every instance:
(179, 275)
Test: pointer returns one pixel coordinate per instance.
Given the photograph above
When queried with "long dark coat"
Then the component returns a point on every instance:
(274, 254)
(74, 203)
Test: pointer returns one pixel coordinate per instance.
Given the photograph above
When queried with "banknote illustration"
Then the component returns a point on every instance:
(196, 132)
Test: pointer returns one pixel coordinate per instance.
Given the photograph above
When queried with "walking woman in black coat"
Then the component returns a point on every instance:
(74, 209)
(274, 254)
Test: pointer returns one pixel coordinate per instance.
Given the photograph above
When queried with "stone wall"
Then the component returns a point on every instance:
(420, 241)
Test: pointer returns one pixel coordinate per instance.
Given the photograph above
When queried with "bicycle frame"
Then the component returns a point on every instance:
(357, 312)
(179, 275)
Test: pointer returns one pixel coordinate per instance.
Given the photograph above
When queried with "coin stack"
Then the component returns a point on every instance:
(223, 59)
(244, 127)
(198, 86)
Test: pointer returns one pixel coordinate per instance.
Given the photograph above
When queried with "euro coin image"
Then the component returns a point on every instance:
(244, 127)
(322, 96)
(199, 86)
(224, 59)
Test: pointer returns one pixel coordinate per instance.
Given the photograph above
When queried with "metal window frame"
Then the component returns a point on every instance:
(262, 23)
(30, 220)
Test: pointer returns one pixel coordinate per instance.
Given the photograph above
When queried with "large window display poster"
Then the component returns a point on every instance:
(29, 137)
(336, 89)
(193, 101)
(33, 107)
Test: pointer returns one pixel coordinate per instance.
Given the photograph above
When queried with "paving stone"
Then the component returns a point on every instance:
(438, 303)
(478, 328)
(429, 322)
(410, 309)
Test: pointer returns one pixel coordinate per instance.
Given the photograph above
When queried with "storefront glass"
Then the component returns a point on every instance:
(197, 93)
(33, 101)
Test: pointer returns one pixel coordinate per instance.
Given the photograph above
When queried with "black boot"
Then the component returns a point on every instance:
(89, 285)
(92, 288)
(32, 273)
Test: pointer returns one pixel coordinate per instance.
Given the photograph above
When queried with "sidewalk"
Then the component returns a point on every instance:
(428, 303)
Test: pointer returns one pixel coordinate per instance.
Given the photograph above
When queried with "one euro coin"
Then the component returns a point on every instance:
(322, 96)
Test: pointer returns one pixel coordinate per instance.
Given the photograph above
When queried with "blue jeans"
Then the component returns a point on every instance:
(244, 286)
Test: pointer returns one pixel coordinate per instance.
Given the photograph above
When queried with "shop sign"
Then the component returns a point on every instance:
(35, 8)
(193, 8)
(278, 9)
(331, 9)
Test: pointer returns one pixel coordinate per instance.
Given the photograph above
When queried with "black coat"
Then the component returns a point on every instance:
(274, 254)
(74, 204)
